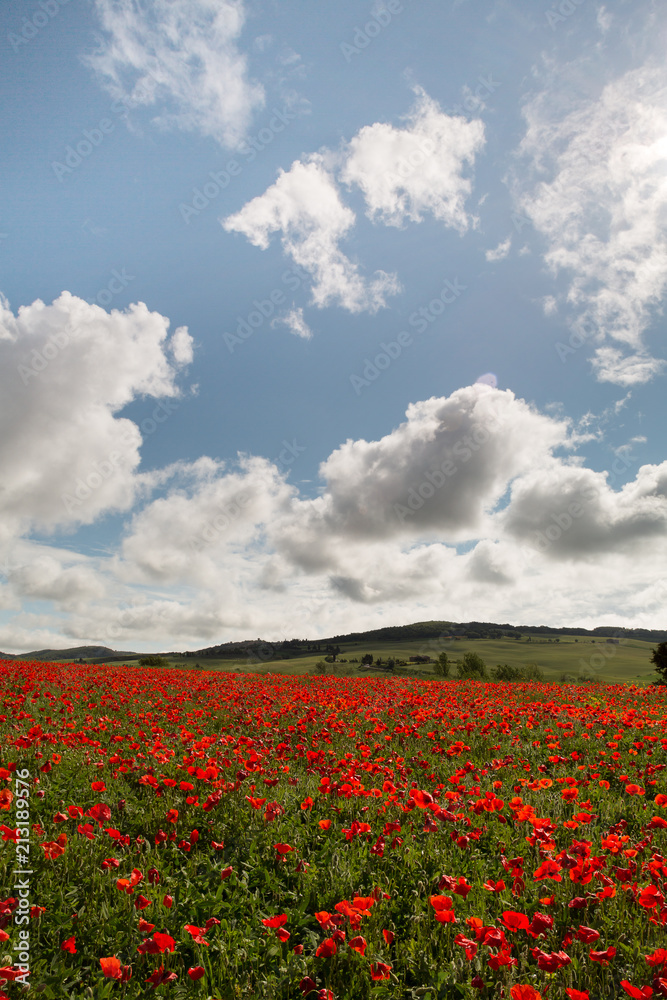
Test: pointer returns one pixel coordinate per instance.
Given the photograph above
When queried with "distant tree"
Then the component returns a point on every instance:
(154, 661)
(332, 650)
(659, 659)
(391, 665)
(442, 665)
(321, 667)
(472, 666)
(367, 658)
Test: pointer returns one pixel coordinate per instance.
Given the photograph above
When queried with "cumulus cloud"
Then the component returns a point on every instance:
(181, 56)
(403, 174)
(574, 514)
(406, 173)
(305, 207)
(67, 369)
(476, 506)
(437, 474)
(598, 195)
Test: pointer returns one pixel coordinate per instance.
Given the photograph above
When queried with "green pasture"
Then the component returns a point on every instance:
(571, 659)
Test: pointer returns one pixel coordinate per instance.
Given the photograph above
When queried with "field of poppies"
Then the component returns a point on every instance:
(192, 834)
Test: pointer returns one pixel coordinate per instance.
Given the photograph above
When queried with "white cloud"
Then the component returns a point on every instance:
(499, 252)
(598, 194)
(234, 551)
(611, 366)
(66, 370)
(295, 322)
(305, 207)
(182, 56)
(405, 173)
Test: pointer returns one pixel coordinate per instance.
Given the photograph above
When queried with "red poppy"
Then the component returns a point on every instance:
(160, 976)
(380, 970)
(69, 945)
(603, 957)
(577, 994)
(515, 921)
(492, 886)
(168, 901)
(324, 824)
(587, 934)
(196, 972)
(638, 992)
(283, 934)
(276, 921)
(525, 992)
(388, 937)
(358, 944)
(197, 933)
(226, 872)
(145, 927)
(326, 949)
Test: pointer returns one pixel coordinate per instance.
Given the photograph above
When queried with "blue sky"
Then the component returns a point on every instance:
(317, 321)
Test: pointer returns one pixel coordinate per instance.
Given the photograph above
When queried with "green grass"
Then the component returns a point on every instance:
(582, 660)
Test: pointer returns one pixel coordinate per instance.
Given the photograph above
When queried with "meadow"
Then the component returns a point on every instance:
(216, 835)
(571, 659)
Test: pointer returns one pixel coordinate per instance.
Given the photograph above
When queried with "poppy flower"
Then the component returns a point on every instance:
(165, 942)
(112, 969)
(323, 918)
(282, 850)
(69, 945)
(275, 921)
(168, 901)
(197, 934)
(659, 957)
(492, 886)
(326, 949)
(160, 976)
(145, 927)
(324, 824)
(515, 921)
(525, 992)
(6, 798)
(640, 993)
(577, 994)
(226, 872)
(380, 970)
(283, 934)
(603, 957)
(388, 937)
(587, 934)
(358, 944)
(196, 972)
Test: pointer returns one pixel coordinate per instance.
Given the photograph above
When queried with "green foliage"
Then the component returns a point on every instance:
(154, 661)
(321, 667)
(530, 672)
(442, 665)
(472, 666)
(659, 660)
(367, 658)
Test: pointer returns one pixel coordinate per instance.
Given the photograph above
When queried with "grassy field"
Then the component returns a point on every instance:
(570, 659)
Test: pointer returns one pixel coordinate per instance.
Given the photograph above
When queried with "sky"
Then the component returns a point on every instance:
(322, 317)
